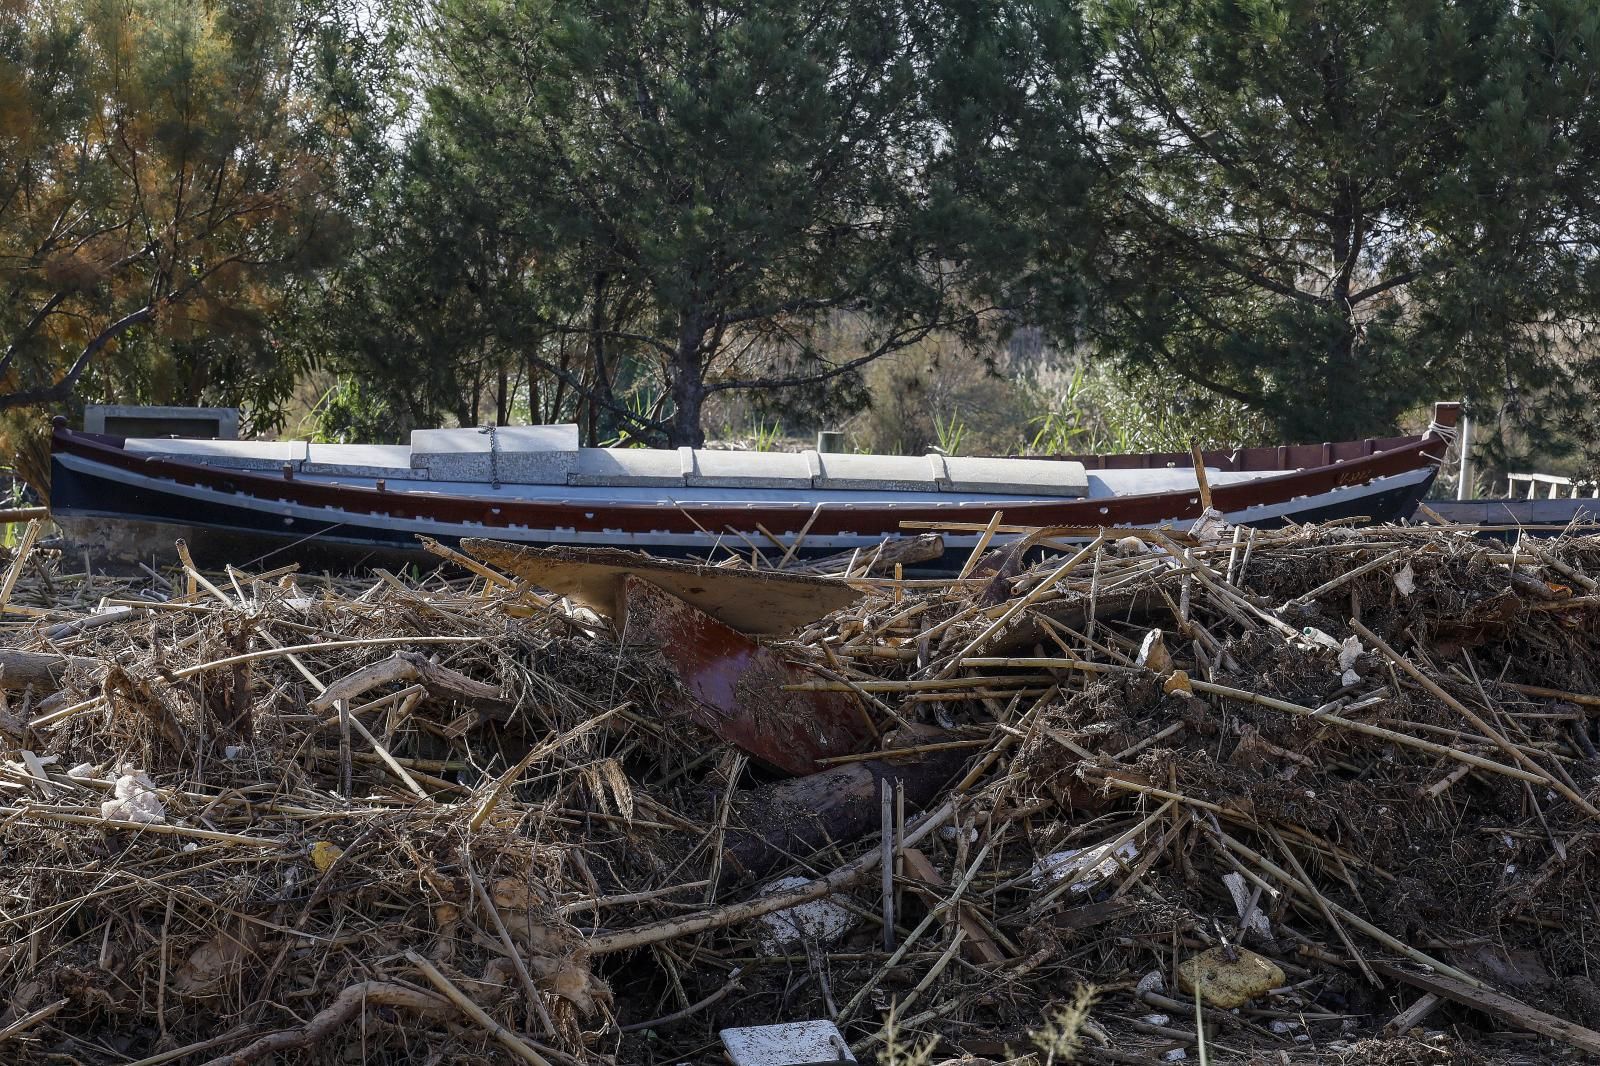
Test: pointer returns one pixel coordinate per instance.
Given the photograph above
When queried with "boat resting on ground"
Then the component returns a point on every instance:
(272, 502)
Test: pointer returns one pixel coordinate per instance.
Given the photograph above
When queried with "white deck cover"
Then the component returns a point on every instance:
(1019, 477)
(749, 470)
(550, 455)
(896, 473)
(361, 460)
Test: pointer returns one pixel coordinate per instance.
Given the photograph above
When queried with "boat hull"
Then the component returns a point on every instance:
(1507, 519)
(125, 509)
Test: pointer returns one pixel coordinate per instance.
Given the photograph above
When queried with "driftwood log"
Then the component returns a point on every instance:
(796, 817)
(412, 667)
(40, 670)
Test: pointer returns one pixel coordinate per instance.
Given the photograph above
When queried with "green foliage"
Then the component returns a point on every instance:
(1330, 212)
(1093, 408)
(348, 412)
(640, 404)
(1277, 219)
(952, 431)
(600, 195)
(764, 438)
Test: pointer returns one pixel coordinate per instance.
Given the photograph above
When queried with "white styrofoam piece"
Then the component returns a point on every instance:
(1086, 867)
(811, 1043)
(1026, 477)
(820, 921)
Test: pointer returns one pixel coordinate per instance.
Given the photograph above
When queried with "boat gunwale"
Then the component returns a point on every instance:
(404, 502)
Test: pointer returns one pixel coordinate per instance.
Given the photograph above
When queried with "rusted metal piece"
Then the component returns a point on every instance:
(734, 686)
(751, 601)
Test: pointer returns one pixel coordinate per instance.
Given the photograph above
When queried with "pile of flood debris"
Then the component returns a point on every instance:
(1314, 794)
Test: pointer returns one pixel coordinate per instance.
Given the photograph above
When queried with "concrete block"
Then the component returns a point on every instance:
(813, 1043)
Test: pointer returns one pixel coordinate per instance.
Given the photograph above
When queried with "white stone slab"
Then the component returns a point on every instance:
(525, 455)
(896, 473)
(813, 1043)
(749, 470)
(1014, 477)
(360, 460)
(236, 454)
(627, 466)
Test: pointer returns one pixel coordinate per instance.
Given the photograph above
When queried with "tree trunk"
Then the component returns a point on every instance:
(603, 421)
(688, 385)
(536, 411)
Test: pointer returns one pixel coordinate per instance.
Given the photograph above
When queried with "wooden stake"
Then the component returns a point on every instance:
(1200, 476)
(18, 558)
(1497, 1005)
(887, 861)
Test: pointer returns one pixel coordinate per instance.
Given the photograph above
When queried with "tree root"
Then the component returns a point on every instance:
(346, 1006)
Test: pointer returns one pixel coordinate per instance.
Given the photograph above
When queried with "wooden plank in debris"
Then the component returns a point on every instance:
(410, 666)
(1090, 915)
(1497, 1005)
(978, 946)
(41, 670)
(735, 688)
(751, 601)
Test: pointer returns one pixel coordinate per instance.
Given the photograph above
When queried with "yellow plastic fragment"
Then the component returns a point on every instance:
(324, 854)
(1178, 682)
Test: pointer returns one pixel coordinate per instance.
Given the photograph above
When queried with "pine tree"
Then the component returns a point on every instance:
(640, 207)
(1333, 211)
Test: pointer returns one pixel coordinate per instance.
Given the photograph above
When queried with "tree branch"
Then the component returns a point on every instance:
(63, 388)
(27, 330)
(894, 343)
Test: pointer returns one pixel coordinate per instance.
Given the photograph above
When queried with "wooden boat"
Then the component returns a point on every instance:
(248, 501)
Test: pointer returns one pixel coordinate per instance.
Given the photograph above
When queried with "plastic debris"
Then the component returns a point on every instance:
(134, 799)
(821, 921)
(1085, 867)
